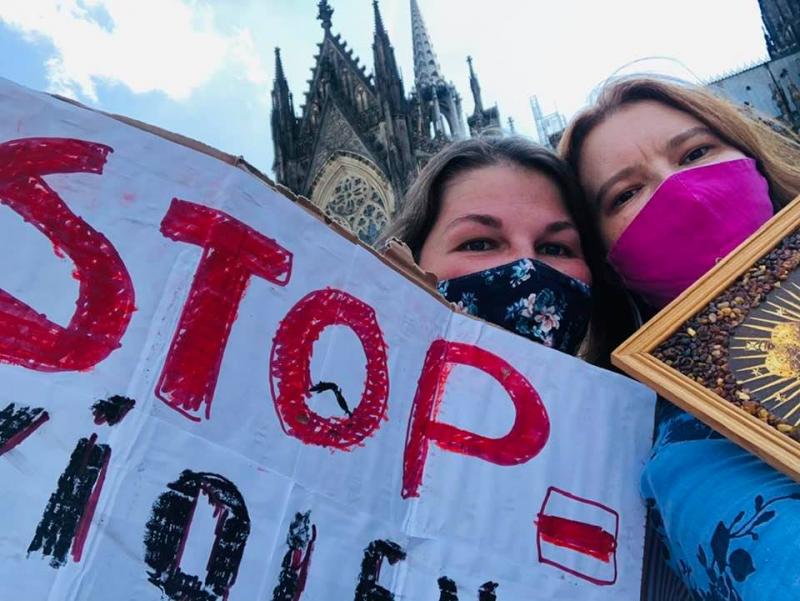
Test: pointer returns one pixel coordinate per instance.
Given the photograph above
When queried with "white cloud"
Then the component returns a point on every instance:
(170, 46)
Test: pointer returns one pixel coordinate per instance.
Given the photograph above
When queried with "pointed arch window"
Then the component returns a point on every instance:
(362, 101)
(352, 192)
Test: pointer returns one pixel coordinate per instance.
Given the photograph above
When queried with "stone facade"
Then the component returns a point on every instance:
(772, 88)
(359, 140)
(781, 20)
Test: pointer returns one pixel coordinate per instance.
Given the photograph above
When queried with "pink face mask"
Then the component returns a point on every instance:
(693, 219)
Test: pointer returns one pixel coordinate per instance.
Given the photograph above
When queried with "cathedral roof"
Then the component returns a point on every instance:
(334, 44)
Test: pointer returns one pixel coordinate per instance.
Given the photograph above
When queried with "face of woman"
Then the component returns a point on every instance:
(627, 157)
(498, 214)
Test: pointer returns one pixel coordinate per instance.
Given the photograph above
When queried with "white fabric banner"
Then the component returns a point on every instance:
(210, 394)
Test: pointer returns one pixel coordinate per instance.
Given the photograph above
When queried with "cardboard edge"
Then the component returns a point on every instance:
(418, 277)
(398, 264)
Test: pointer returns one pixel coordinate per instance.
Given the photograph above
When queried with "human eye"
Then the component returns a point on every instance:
(554, 249)
(622, 198)
(477, 245)
(696, 154)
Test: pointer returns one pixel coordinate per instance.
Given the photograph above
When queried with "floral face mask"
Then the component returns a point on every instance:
(527, 297)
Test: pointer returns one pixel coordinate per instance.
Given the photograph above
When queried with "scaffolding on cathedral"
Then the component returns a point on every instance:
(550, 126)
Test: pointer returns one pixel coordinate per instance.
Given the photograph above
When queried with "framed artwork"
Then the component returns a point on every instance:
(728, 349)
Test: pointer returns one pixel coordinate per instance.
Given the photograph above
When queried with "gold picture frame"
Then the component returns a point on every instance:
(725, 349)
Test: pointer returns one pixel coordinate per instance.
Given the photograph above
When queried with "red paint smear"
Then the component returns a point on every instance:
(88, 513)
(233, 252)
(290, 369)
(24, 433)
(128, 197)
(105, 293)
(182, 545)
(221, 513)
(588, 539)
(528, 434)
(303, 562)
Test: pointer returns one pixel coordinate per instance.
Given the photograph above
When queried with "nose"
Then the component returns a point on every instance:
(660, 171)
(522, 249)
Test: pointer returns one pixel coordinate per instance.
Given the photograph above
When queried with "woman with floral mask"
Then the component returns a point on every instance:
(494, 219)
(677, 178)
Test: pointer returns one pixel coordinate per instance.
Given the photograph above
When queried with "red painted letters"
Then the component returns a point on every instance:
(526, 438)
(232, 253)
(290, 364)
(105, 298)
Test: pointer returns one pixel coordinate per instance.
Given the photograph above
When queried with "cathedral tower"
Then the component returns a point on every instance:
(481, 119)
(438, 102)
(359, 140)
(781, 20)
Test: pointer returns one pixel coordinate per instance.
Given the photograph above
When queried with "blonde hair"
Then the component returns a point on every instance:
(775, 148)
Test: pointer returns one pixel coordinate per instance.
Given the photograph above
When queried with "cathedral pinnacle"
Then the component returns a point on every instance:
(325, 14)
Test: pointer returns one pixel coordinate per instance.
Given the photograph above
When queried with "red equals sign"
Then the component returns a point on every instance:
(578, 536)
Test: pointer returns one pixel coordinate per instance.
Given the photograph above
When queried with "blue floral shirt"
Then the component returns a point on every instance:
(731, 523)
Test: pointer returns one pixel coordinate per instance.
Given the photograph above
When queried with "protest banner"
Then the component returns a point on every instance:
(728, 349)
(209, 393)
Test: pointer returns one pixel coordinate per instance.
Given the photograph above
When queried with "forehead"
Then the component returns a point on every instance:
(629, 134)
(499, 189)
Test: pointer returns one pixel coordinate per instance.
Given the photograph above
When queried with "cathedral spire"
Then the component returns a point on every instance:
(325, 14)
(426, 66)
(282, 108)
(476, 87)
(283, 120)
(387, 75)
(481, 118)
(279, 76)
(379, 29)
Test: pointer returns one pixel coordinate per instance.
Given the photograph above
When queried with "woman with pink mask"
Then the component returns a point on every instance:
(677, 178)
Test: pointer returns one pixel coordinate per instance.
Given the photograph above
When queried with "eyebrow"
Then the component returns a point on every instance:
(487, 220)
(671, 145)
(495, 223)
(678, 140)
(559, 226)
(621, 174)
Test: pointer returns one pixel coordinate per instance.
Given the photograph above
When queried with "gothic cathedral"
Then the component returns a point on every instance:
(781, 20)
(359, 140)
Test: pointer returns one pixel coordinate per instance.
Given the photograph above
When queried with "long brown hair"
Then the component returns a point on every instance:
(423, 201)
(774, 147)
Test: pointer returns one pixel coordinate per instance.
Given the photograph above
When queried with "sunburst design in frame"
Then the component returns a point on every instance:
(765, 352)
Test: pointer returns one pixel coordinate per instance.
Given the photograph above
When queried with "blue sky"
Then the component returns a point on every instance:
(204, 68)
